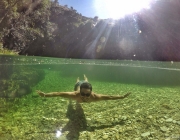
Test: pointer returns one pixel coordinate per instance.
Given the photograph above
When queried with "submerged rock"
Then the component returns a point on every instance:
(169, 120)
(137, 111)
(164, 128)
(178, 122)
(145, 134)
(124, 118)
(105, 137)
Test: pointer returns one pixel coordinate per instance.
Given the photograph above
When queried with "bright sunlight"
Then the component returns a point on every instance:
(119, 8)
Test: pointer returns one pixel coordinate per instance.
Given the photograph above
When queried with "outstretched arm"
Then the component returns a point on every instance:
(100, 97)
(55, 94)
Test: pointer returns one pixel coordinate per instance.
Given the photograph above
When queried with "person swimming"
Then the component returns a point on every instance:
(83, 93)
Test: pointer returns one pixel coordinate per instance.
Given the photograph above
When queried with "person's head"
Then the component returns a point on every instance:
(85, 89)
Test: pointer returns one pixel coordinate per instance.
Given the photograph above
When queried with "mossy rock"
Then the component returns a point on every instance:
(20, 82)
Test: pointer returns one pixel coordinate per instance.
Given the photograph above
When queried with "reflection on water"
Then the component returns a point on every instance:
(150, 112)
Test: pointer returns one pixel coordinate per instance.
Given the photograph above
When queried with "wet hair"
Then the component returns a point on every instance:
(86, 85)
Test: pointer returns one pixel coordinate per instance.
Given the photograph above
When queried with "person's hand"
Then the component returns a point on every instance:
(127, 94)
(42, 94)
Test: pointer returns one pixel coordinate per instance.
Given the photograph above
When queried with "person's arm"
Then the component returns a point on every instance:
(55, 94)
(100, 97)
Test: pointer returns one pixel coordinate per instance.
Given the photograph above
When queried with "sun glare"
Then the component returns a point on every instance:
(119, 8)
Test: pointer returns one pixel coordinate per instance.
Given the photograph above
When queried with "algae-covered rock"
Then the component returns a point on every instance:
(20, 81)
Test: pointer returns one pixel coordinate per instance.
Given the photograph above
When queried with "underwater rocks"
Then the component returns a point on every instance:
(20, 81)
(164, 129)
(126, 119)
(169, 120)
(178, 122)
(146, 134)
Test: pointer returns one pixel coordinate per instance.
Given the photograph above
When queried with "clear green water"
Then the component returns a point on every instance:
(152, 111)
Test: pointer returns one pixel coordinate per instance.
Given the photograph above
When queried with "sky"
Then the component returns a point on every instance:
(85, 7)
(106, 8)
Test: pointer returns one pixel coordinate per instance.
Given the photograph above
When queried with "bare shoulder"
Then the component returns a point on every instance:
(76, 92)
(96, 96)
(71, 95)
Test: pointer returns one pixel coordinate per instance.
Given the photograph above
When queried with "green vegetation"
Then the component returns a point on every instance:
(36, 26)
(6, 51)
(46, 28)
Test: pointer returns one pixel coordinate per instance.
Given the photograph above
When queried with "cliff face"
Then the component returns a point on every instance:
(49, 29)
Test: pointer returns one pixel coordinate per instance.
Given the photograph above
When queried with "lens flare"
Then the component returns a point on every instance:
(58, 133)
(119, 8)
